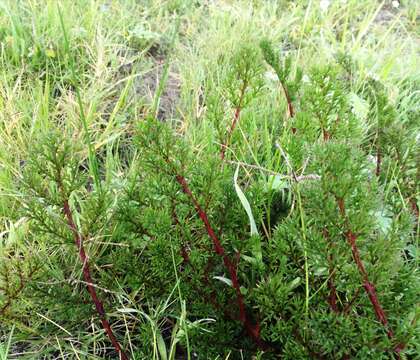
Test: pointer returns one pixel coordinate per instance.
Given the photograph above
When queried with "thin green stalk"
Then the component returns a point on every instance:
(4, 350)
(303, 226)
(305, 253)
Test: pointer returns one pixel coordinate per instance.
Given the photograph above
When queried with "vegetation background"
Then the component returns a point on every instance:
(218, 179)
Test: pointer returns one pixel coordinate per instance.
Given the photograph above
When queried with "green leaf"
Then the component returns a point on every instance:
(224, 279)
(255, 237)
(128, 310)
(245, 203)
(295, 283)
(161, 346)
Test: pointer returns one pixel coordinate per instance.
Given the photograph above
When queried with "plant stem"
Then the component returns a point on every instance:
(78, 239)
(234, 121)
(367, 285)
(252, 330)
(305, 252)
(289, 101)
(303, 226)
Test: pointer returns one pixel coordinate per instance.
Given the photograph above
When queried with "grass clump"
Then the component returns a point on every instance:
(269, 211)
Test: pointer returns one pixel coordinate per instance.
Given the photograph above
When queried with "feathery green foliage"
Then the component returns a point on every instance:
(164, 196)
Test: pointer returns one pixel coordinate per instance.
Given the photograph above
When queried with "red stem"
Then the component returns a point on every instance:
(414, 207)
(289, 101)
(78, 239)
(326, 134)
(332, 298)
(234, 121)
(367, 285)
(253, 330)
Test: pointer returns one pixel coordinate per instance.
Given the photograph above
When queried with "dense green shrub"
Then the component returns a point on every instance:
(304, 255)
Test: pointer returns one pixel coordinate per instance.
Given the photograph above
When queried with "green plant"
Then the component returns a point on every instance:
(274, 214)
